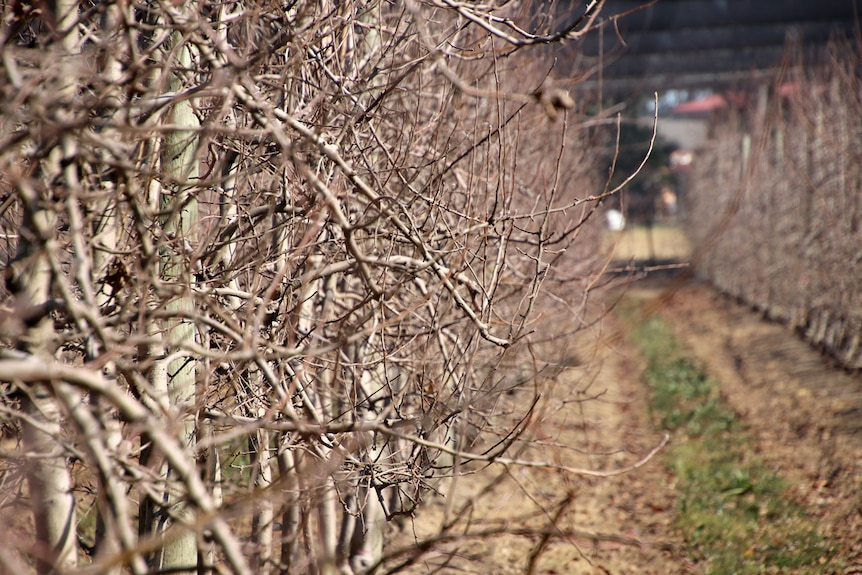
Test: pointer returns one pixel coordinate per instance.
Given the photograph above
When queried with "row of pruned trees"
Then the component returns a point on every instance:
(264, 265)
(776, 203)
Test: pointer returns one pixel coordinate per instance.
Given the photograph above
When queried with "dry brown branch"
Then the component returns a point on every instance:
(268, 260)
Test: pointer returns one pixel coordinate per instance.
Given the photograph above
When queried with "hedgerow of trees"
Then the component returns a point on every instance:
(776, 203)
(273, 272)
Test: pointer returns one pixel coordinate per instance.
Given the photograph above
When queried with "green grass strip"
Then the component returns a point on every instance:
(734, 513)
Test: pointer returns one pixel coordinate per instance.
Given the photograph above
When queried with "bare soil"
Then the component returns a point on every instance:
(554, 521)
(803, 412)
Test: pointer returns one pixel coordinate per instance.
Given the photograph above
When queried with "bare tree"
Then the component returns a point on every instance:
(776, 206)
(274, 270)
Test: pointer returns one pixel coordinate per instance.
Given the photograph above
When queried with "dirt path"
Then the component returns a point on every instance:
(805, 414)
(556, 522)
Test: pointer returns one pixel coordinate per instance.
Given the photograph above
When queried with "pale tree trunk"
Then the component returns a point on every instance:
(104, 230)
(290, 516)
(322, 543)
(49, 480)
(264, 510)
(176, 376)
(327, 517)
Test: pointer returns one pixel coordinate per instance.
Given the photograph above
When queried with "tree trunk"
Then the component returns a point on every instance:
(48, 475)
(290, 517)
(49, 480)
(179, 170)
(264, 509)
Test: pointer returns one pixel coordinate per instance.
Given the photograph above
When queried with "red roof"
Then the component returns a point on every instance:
(707, 104)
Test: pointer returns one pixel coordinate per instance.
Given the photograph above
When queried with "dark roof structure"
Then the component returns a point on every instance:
(686, 44)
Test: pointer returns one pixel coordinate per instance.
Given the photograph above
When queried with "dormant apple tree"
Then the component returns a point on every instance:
(273, 270)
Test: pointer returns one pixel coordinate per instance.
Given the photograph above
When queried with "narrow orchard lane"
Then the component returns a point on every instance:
(804, 413)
